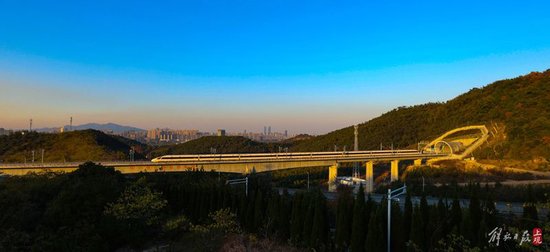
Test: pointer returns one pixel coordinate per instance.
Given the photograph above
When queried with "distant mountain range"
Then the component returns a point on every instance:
(115, 128)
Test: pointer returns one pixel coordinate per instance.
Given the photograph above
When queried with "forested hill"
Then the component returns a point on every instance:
(203, 145)
(67, 147)
(520, 105)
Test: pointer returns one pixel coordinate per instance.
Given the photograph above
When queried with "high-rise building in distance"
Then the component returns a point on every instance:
(160, 136)
(5, 132)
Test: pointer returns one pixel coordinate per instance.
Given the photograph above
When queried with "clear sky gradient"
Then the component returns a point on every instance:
(305, 66)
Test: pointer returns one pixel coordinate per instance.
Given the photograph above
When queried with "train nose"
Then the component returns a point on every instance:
(154, 160)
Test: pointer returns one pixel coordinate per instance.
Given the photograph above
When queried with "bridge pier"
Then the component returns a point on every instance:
(394, 173)
(369, 176)
(417, 162)
(332, 174)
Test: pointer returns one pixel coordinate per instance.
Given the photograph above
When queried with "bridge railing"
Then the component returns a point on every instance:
(68, 164)
(248, 157)
(283, 156)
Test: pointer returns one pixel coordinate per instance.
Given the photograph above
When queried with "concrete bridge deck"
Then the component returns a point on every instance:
(233, 163)
(246, 163)
(265, 162)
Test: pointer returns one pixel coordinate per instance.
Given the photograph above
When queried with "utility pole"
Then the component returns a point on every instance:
(132, 155)
(42, 156)
(30, 125)
(33, 156)
(356, 133)
(71, 124)
(356, 148)
(392, 195)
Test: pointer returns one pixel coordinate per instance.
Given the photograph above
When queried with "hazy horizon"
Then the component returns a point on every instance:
(305, 67)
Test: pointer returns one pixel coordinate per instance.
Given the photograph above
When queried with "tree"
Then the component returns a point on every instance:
(417, 235)
(308, 218)
(370, 208)
(358, 225)
(456, 216)
(407, 217)
(424, 210)
(258, 211)
(490, 212)
(83, 195)
(376, 238)
(138, 203)
(273, 213)
(530, 213)
(223, 222)
(138, 210)
(344, 217)
(319, 230)
(440, 222)
(397, 237)
(476, 216)
(296, 221)
(250, 207)
(285, 213)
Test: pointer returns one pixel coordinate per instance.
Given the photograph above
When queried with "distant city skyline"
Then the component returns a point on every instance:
(68, 127)
(306, 67)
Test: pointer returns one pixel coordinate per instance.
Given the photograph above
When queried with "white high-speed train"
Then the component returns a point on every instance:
(275, 156)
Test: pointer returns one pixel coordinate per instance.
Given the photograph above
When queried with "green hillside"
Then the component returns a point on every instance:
(225, 144)
(67, 147)
(521, 106)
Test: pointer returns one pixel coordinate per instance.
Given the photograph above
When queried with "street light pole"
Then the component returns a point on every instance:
(389, 219)
(239, 181)
(391, 195)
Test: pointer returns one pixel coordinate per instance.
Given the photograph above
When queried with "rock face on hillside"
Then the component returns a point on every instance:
(516, 110)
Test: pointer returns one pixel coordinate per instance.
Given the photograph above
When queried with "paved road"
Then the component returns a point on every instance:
(515, 208)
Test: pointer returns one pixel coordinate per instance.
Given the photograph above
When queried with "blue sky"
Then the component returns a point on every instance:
(312, 66)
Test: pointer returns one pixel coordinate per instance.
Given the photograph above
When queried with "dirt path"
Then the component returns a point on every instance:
(535, 173)
(512, 182)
